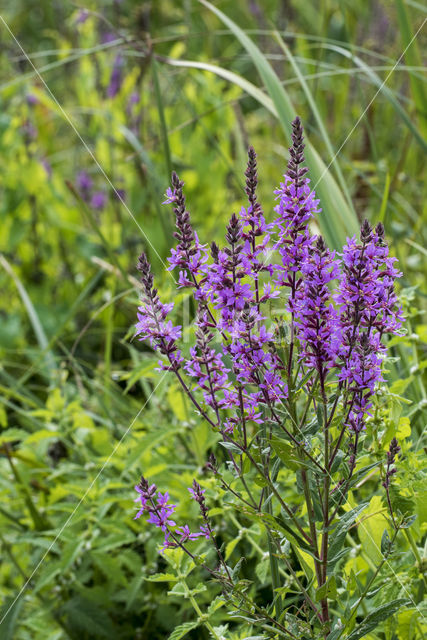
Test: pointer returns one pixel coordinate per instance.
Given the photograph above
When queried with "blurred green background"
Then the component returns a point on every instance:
(98, 103)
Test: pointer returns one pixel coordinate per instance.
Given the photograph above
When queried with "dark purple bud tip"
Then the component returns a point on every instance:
(143, 264)
(321, 245)
(214, 251)
(380, 231)
(365, 232)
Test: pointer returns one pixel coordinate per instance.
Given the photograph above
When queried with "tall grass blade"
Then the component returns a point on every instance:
(413, 58)
(376, 80)
(32, 314)
(340, 220)
(316, 113)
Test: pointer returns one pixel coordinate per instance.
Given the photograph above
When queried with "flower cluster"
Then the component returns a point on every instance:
(207, 367)
(189, 255)
(316, 319)
(116, 77)
(245, 379)
(96, 199)
(152, 323)
(160, 510)
(297, 205)
(368, 310)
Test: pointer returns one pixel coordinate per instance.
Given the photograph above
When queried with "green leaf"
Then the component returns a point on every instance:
(339, 533)
(327, 590)
(230, 546)
(161, 577)
(87, 618)
(371, 529)
(379, 615)
(230, 446)
(9, 615)
(216, 604)
(182, 630)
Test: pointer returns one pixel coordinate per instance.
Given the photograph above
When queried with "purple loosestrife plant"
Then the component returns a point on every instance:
(289, 343)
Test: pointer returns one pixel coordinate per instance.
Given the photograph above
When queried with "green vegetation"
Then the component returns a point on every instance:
(83, 408)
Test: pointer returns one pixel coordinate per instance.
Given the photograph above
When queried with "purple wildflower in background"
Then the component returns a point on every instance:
(82, 16)
(116, 77)
(29, 130)
(133, 113)
(98, 200)
(119, 194)
(46, 166)
(108, 36)
(32, 99)
(84, 185)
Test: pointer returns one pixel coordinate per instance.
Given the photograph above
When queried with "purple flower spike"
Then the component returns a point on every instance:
(116, 78)
(189, 254)
(297, 205)
(368, 310)
(152, 323)
(315, 318)
(84, 185)
(98, 200)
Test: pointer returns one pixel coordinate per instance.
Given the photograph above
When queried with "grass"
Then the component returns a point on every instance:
(211, 78)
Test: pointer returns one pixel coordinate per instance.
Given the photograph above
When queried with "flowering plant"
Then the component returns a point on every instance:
(289, 391)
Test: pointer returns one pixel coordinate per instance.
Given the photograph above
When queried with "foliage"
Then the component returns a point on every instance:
(83, 409)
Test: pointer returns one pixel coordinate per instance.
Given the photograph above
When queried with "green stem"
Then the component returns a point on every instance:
(416, 553)
(40, 522)
(369, 585)
(202, 618)
(274, 565)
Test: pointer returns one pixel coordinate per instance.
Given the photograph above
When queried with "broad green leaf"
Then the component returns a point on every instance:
(182, 630)
(161, 577)
(380, 614)
(371, 528)
(339, 532)
(87, 618)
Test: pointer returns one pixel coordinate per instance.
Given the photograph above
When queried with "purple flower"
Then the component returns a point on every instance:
(368, 310)
(120, 194)
(207, 367)
(316, 319)
(108, 36)
(46, 166)
(82, 16)
(160, 518)
(116, 77)
(189, 254)
(98, 200)
(152, 322)
(84, 185)
(32, 99)
(297, 205)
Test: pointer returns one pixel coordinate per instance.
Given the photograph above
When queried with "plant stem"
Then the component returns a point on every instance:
(370, 583)
(199, 612)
